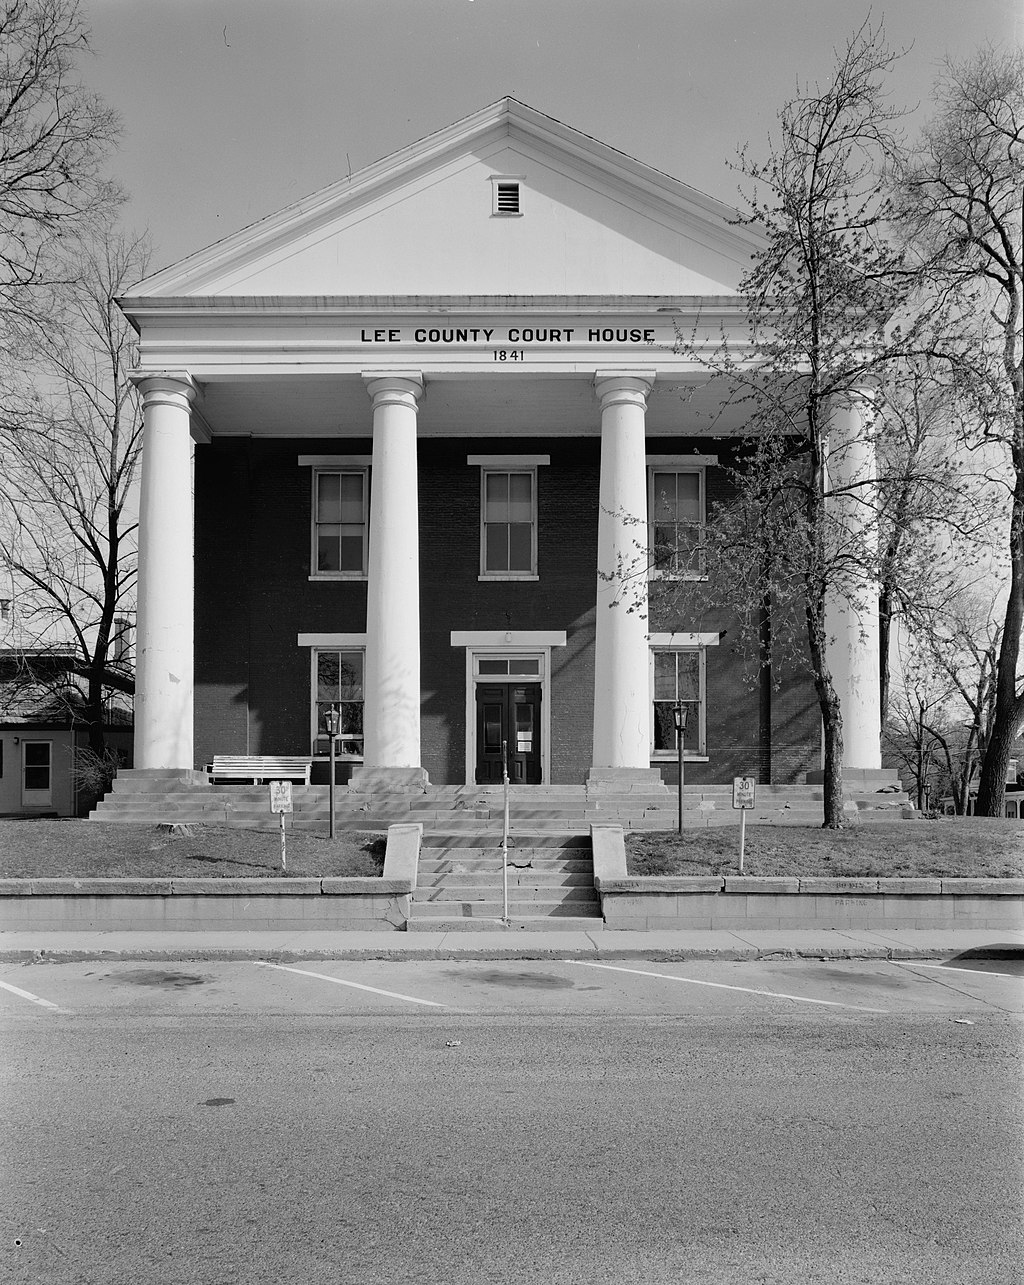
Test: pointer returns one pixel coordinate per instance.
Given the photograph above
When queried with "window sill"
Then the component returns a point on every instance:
(338, 758)
(507, 576)
(349, 577)
(663, 756)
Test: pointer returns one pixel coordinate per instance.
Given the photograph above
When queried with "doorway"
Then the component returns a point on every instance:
(508, 715)
(37, 774)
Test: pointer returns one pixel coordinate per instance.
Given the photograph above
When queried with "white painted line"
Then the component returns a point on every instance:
(953, 968)
(16, 990)
(410, 999)
(748, 990)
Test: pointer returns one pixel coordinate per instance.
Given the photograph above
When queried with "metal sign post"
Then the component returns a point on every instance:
(679, 718)
(504, 837)
(281, 801)
(332, 720)
(744, 789)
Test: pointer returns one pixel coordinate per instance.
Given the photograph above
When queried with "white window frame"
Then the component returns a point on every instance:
(527, 464)
(317, 643)
(698, 464)
(689, 643)
(326, 464)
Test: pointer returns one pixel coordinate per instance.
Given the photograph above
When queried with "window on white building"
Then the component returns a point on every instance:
(340, 523)
(338, 684)
(677, 516)
(677, 675)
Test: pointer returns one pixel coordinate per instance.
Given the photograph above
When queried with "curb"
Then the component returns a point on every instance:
(663, 955)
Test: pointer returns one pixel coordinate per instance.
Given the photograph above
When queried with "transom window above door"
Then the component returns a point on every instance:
(498, 667)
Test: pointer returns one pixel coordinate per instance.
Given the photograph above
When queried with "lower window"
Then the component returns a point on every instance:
(338, 684)
(677, 680)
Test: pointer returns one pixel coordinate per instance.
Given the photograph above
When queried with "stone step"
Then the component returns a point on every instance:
(490, 838)
(436, 913)
(486, 859)
(516, 878)
(517, 922)
(459, 889)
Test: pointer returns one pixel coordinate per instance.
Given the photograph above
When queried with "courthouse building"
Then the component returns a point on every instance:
(404, 444)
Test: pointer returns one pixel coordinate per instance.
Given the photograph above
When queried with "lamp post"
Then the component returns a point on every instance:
(679, 718)
(332, 720)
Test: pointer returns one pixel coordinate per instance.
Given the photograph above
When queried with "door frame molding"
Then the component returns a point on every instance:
(497, 642)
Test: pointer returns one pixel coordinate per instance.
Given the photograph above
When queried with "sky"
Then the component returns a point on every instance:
(234, 109)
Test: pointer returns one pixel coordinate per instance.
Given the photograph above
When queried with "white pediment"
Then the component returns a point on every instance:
(592, 221)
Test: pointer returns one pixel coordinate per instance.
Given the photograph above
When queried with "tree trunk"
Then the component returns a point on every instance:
(831, 719)
(885, 600)
(1009, 707)
(764, 703)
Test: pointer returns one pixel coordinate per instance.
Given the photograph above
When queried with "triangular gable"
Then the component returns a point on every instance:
(593, 221)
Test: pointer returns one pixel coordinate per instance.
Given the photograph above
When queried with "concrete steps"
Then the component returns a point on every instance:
(550, 885)
(151, 797)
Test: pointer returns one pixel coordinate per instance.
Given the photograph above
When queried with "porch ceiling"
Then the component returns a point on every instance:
(514, 404)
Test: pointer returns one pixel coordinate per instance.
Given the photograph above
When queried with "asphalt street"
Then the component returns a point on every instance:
(513, 1121)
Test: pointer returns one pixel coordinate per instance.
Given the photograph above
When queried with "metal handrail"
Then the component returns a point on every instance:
(504, 837)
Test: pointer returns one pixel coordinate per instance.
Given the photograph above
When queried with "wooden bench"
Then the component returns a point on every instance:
(260, 767)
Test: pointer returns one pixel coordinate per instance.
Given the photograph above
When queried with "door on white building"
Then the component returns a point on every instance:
(36, 774)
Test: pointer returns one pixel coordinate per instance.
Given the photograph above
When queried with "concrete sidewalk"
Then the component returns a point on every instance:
(24, 947)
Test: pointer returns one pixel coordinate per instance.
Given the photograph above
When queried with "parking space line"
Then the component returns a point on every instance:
(692, 981)
(35, 999)
(338, 981)
(952, 968)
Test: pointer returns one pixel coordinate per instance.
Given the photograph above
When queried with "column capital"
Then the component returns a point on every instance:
(166, 388)
(624, 387)
(397, 388)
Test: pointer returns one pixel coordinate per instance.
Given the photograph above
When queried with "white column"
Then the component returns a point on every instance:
(392, 677)
(851, 616)
(621, 684)
(164, 673)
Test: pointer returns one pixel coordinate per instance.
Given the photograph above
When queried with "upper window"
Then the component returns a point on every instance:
(340, 516)
(508, 515)
(338, 684)
(677, 514)
(677, 678)
(510, 523)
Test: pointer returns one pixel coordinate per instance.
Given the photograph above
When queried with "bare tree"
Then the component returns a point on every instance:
(937, 509)
(825, 299)
(68, 456)
(963, 206)
(944, 708)
(54, 136)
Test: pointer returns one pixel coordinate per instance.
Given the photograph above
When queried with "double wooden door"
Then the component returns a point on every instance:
(508, 721)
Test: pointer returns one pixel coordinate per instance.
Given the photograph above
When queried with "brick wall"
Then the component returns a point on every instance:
(254, 596)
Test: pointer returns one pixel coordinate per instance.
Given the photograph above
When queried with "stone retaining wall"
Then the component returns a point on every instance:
(202, 905)
(732, 902)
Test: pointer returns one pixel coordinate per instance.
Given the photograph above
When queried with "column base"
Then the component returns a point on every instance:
(154, 779)
(625, 780)
(389, 780)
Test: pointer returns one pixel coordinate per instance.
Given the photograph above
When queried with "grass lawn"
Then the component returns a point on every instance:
(79, 849)
(953, 847)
